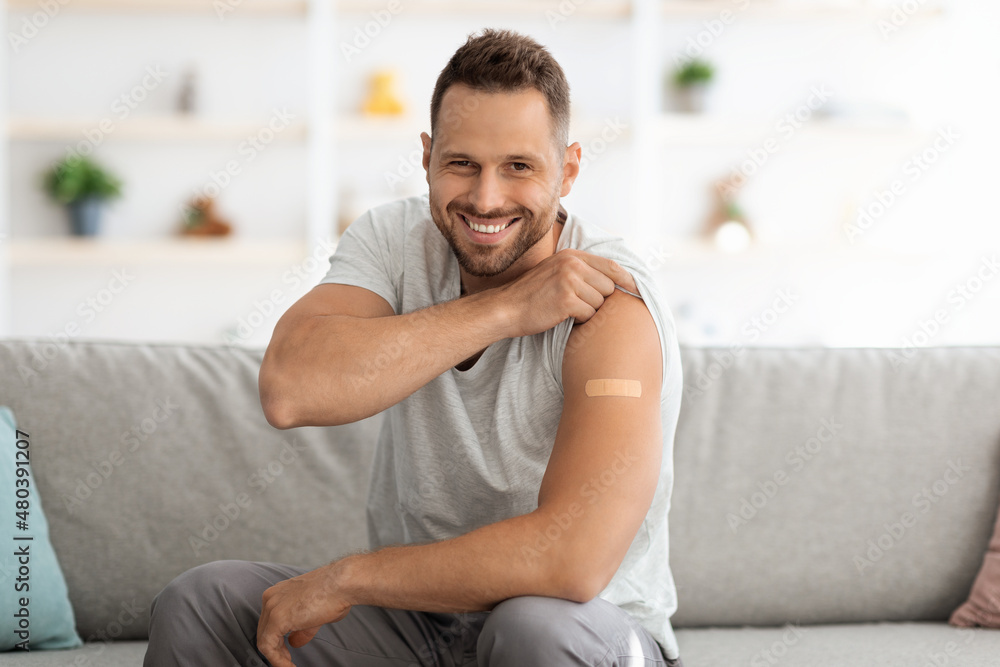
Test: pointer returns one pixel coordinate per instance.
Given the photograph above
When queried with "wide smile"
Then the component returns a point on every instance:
(488, 231)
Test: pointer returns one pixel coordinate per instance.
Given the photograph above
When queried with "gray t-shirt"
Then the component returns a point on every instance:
(470, 447)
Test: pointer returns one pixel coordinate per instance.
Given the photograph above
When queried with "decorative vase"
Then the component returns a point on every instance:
(691, 98)
(85, 215)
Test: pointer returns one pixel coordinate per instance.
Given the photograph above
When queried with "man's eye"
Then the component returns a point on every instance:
(519, 166)
(460, 163)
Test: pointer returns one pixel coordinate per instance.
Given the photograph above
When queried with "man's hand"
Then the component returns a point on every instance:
(570, 283)
(300, 606)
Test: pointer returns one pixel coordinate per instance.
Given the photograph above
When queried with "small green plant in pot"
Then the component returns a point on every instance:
(691, 81)
(82, 185)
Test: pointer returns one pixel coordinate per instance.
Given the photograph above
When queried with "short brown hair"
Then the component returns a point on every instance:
(504, 61)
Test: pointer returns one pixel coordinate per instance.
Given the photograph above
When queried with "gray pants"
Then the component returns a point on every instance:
(208, 616)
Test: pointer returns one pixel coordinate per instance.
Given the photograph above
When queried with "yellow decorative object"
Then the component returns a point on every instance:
(382, 99)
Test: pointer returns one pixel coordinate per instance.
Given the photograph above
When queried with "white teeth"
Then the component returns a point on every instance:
(485, 229)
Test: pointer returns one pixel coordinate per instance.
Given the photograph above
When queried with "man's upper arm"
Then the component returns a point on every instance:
(294, 327)
(324, 300)
(605, 463)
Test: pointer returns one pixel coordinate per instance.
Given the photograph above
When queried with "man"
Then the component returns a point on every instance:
(530, 377)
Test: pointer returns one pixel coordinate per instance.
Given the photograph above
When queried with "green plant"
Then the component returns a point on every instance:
(76, 177)
(693, 72)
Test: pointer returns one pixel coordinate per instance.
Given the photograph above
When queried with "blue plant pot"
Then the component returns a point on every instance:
(85, 216)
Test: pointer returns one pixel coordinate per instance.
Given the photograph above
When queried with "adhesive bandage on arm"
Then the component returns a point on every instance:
(614, 387)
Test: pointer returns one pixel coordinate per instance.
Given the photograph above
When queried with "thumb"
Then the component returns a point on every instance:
(300, 638)
(622, 277)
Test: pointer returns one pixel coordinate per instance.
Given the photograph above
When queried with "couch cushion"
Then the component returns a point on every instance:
(153, 458)
(832, 485)
(863, 645)
(105, 654)
(35, 611)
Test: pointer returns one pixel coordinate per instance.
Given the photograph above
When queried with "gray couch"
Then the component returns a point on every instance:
(795, 470)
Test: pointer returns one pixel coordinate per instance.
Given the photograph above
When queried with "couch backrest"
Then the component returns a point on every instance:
(833, 485)
(798, 495)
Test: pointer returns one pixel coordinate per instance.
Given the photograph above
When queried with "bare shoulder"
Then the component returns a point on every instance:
(621, 337)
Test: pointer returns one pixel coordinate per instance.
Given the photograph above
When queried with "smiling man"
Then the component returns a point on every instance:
(531, 382)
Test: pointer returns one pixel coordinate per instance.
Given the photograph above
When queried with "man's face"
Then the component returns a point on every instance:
(494, 163)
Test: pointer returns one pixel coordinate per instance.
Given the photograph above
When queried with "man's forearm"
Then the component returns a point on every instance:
(340, 369)
(471, 572)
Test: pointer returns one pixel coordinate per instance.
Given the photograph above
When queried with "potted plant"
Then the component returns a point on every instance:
(691, 83)
(82, 185)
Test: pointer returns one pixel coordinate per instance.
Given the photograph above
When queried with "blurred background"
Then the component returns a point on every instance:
(796, 172)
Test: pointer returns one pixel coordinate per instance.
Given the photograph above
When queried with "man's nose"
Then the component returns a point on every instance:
(487, 192)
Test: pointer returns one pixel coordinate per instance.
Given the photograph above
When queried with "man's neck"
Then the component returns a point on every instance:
(546, 247)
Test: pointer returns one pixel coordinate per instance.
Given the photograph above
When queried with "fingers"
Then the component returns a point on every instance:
(274, 649)
(623, 277)
(611, 270)
(592, 297)
(265, 612)
(270, 638)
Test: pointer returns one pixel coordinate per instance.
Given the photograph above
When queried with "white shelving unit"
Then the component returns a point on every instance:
(272, 7)
(322, 130)
(175, 251)
(707, 130)
(797, 9)
(325, 133)
(593, 8)
(147, 128)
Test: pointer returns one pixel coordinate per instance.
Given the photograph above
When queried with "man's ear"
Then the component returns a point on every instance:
(571, 167)
(426, 140)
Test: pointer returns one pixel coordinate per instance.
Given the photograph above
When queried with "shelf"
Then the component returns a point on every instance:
(174, 128)
(291, 7)
(673, 9)
(80, 251)
(682, 253)
(702, 129)
(357, 127)
(150, 128)
(602, 8)
(801, 9)
(680, 128)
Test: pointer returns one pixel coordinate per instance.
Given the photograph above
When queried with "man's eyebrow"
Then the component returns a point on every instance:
(524, 157)
(527, 157)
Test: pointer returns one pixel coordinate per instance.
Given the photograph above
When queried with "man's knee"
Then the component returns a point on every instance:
(203, 589)
(209, 610)
(528, 630)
